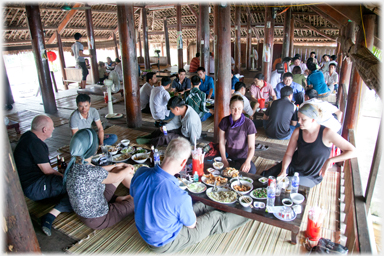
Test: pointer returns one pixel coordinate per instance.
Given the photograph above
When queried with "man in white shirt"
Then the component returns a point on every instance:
(240, 89)
(328, 111)
(296, 62)
(158, 102)
(331, 77)
(118, 69)
(276, 76)
(145, 92)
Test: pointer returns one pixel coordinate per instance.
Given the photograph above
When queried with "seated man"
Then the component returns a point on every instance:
(240, 89)
(145, 91)
(298, 90)
(83, 117)
(297, 62)
(280, 119)
(260, 89)
(331, 115)
(164, 214)
(38, 179)
(196, 99)
(181, 84)
(102, 72)
(207, 85)
(276, 75)
(118, 69)
(331, 77)
(195, 63)
(158, 102)
(234, 81)
(186, 123)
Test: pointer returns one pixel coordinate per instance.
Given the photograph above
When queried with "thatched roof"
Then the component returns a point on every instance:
(309, 25)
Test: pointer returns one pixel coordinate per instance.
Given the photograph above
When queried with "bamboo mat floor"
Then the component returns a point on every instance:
(97, 101)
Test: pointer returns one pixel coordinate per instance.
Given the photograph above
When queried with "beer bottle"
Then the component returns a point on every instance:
(63, 165)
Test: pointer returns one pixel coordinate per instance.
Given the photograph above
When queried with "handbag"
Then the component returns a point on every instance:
(326, 246)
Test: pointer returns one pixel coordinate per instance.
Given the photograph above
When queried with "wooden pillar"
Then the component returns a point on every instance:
(237, 44)
(129, 64)
(8, 96)
(17, 225)
(223, 66)
(188, 58)
(205, 31)
(41, 60)
(346, 66)
(291, 39)
(260, 53)
(287, 34)
(249, 41)
(91, 44)
(61, 58)
(268, 44)
(162, 49)
(354, 91)
(179, 37)
(116, 46)
(147, 64)
(167, 46)
(140, 48)
(198, 32)
(339, 53)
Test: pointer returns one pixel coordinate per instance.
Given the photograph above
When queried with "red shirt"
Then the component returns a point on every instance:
(265, 92)
(194, 65)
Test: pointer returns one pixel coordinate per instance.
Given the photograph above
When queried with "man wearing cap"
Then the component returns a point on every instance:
(37, 177)
(158, 102)
(85, 115)
(91, 188)
(77, 51)
(298, 90)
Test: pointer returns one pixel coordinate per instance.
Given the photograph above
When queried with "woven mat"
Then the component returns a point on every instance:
(147, 117)
(208, 125)
(261, 136)
(254, 237)
(97, 101)
(24, 118)
(263, 164)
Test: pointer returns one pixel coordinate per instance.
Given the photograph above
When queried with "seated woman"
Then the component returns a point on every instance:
(309, 149)
(237, 137)
(91, 188)
(298, 77)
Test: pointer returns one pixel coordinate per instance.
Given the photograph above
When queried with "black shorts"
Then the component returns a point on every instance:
(84, 70)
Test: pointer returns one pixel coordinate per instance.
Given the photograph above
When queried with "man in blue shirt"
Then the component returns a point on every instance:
(207, 86)
(164, 214)
(234, 81)
(298, 90)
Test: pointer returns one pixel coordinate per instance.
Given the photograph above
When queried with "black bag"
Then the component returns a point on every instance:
(326, 246)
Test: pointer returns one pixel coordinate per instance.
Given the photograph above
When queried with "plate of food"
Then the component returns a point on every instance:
(140, 150)
(120, 158)
(230, 172)
(140, 158)
(259, 193)
(111, 149)
(137, 166)
(129, 149)
(97, 157)
(209, 179)
(247, 179)
(223, 195)
(263, 180)
(243, 188)
(197, 187)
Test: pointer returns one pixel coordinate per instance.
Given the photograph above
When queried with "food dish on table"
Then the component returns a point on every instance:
(243, 188)
(129, 149)
(120, 158)
(242, 179)
(223, 195)
(230, 172)
(259, 193)
(140, 158)
(197, 187)
(210, 179)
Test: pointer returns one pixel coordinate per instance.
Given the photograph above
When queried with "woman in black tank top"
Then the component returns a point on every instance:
(309, 149)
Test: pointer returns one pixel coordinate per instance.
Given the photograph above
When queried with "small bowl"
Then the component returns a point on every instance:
(258, 204)
(244, 204)
(125, 142)
(297, 198)
(248, 184)
(139, 156)
(217, 159)
(218, 165)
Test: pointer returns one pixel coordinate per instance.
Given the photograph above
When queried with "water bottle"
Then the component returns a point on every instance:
(295, 183)
(156, 158)
(196, 177)
(271, 192)
(165, 130)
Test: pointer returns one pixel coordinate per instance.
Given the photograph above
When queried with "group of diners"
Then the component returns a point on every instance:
(165, 216)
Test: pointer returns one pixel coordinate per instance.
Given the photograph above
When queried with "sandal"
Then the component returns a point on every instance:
(261, 147)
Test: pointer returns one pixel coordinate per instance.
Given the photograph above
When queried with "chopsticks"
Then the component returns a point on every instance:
(183, 182)
(245, 198)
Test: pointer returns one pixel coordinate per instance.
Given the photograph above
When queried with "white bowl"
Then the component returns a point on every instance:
(248, 184)
(218, 165)
(138, 156)
(243, 203)
(217, 159)
(297, 198)
(125, 142)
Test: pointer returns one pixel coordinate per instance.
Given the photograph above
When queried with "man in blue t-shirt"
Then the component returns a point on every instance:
(207, 85)
(298, 90)
(234, 81)
(164, 214)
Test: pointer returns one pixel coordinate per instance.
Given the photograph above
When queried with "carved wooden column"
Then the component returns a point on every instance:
(116, 46)
(223, 67)
(61, 58)
(291, 39)
(91, 44)
(179, 37)
(268, 44)
(129, 64)
(205, 32)
(147, 64)
(287, 34)
(167, 46)
(237, 48)
(41, 60)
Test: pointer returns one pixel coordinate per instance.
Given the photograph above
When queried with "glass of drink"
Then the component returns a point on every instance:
(278, 188)
(197, 164)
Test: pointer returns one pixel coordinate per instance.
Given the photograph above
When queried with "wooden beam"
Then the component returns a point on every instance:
(147, 65)
(167, 45)
(249, 41)
(64, 23)
(193, 11)
(329, 14)
(205, 32)
(351, 12)
(309, 26)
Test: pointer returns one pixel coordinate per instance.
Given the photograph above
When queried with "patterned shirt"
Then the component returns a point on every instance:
(86, 190)
(195, 63)
(197, 100)
(264, 93)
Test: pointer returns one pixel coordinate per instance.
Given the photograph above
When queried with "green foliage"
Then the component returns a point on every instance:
(377, 53)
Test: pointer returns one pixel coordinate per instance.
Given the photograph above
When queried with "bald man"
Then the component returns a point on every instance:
(38, 179)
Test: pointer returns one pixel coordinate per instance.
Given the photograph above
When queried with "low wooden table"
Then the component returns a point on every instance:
(259, 214)
(12, 124)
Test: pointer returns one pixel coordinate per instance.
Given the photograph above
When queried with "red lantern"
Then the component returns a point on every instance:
(51, 56)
